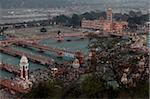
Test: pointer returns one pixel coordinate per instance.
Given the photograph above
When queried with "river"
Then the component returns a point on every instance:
(73, 45)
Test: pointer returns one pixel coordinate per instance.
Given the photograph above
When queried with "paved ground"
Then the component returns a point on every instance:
(28, 32)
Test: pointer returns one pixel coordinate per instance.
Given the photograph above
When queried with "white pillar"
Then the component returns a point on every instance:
(21, 73)
(24, 74)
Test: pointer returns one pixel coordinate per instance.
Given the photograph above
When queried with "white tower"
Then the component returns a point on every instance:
(76, 64)
(109, 15)
(24, 69)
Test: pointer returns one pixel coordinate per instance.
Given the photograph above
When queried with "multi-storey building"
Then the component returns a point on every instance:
(107, 25)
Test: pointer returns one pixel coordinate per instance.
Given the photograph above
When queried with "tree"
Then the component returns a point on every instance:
(93, 15)
(72, 91)
(47, 89)
(62, 19)
(75, 20)
(93, 85)
(118, 62)
(141, 91)
(88, 16)
(137, 20)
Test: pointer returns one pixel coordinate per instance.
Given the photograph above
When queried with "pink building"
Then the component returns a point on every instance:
(106, 25)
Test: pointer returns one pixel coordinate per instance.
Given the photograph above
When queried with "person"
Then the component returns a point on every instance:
(59, 32)
(43, 29)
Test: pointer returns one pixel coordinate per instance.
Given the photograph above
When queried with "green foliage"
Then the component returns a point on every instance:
(137, 20)
(75, 20)
(45, 90)
(141, 91)
(72, 91)
(62, 19)
(140, 20)
(93, 85)
(93, 15)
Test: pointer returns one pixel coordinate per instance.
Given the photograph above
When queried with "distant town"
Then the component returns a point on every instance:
(74, 52)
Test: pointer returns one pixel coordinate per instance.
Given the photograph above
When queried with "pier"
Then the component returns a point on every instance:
(37, 59)
(9, 68)
(13, 86)
(37, 38)
(44, 47)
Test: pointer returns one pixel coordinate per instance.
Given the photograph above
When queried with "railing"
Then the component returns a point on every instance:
(9, 68)
(16, 39)
(45, 48)
(40, 59)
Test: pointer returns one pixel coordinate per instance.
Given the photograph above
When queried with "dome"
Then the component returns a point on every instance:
(76, 63)
(54, 69)
(109, 9)
(23, 59)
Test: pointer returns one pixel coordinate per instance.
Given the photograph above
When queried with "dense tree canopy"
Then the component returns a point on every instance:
(46, 89)
(75, 19)
(64, 20)
(93, 85)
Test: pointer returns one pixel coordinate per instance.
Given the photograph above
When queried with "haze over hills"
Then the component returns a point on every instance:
(33, 3)
(60, 3)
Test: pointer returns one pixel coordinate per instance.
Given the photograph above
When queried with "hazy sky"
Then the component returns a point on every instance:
(56, 3)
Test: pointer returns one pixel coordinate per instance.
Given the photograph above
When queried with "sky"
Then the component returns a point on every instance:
(56, 3)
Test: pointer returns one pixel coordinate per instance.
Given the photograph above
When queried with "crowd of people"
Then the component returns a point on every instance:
(66, 73)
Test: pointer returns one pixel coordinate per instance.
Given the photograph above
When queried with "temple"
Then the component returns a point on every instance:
(24, 73)
(24, 70)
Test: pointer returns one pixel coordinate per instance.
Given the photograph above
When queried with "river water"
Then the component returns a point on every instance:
(74, 45)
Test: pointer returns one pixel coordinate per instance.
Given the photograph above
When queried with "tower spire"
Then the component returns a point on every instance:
(24, 69)
(109, 15)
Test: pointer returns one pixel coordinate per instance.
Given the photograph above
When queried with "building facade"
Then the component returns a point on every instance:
(107, 25)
